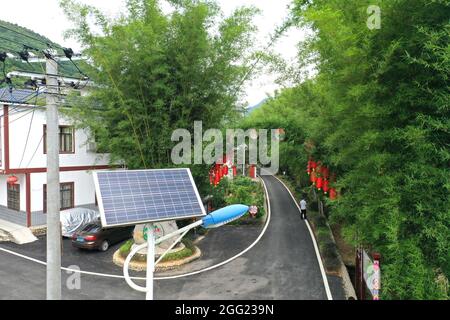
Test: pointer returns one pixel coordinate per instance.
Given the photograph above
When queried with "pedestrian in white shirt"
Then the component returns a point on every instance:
(303, 207)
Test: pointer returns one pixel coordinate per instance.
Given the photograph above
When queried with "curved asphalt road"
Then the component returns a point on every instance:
(286, 254)
(283, 265)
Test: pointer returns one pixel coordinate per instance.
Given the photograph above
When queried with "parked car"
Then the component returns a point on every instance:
(94, 237)
(77, 218)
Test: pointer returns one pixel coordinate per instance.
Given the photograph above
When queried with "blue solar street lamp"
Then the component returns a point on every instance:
(213, 220)
(131, 197)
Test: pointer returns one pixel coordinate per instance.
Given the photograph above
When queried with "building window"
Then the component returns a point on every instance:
(13, 196)
(66, 139)
(66, 196)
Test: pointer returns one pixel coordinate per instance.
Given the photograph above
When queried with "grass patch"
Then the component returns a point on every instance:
(188, 251)
(126, 248)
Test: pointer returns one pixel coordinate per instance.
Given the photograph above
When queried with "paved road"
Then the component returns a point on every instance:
(283, 265)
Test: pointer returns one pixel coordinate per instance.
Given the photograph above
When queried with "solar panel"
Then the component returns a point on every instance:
(129, 197)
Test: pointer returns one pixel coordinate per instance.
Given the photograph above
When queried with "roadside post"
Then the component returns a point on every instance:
(150, 261)
(377, 276)
(368, 274)
(53, 83)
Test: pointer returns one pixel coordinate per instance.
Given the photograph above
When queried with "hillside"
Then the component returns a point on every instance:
(12, 39)
(255, 107)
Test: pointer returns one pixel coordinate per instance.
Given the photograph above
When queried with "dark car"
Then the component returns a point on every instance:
(94, 237)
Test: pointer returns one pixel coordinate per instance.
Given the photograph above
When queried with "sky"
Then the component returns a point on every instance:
(46, 18)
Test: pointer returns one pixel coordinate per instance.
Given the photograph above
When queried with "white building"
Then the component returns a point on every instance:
(23, 155)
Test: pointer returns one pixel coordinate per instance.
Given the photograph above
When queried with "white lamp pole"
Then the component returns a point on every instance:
(213, 220)
(150, 262)
(243, 147)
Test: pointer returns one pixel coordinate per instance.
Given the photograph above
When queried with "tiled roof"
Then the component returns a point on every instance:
(22, 96)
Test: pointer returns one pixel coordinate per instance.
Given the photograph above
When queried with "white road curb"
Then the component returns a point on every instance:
(168, 277)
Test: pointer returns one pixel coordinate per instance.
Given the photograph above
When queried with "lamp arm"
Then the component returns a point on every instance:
(171, 247)
(179, 231)
(126, 264)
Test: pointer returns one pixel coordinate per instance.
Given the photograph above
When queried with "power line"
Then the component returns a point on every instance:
(23, 100)
(68, 52)
(34, 153)
(29, 130)
(47, 43)
(8, 49)
(79, 70)
(18, 43)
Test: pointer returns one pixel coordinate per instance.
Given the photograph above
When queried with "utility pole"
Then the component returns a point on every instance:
(53, 187)
(52, 143)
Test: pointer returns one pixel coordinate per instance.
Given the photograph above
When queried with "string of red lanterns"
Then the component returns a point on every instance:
(219, 171)
(320, 177)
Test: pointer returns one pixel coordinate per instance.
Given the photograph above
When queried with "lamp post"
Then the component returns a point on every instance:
(213, 220)
(242, 147)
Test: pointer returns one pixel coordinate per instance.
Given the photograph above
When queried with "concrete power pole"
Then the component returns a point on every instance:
(53, 187)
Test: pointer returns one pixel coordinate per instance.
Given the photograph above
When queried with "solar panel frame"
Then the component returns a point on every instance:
(101, 203)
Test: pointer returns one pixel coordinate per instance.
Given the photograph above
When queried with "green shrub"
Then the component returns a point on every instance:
(126, 247)
(242, 190)
(331, 256)
(321, 221)
(188, 251)
(323, 235)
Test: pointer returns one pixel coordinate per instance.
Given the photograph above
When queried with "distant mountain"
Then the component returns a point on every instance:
(257, 106)
(12, 40)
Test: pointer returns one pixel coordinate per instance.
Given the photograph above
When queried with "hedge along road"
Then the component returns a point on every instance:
(282, 263)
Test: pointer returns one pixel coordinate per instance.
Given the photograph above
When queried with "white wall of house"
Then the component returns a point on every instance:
(84, 192)
(29, 155)
(84, 189)
(3, 191)
(18, 129)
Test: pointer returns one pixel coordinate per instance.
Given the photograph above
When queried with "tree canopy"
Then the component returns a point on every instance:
(159, 71)
(377, 112)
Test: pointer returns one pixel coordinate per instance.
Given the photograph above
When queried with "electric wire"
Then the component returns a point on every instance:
(29, 130)
(47, 43)
(17, 43)
(34, 153)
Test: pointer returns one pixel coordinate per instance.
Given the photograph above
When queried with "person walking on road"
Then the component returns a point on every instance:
(303, 207)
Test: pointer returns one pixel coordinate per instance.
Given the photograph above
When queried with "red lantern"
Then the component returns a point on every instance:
(333, 194)
(326, 186)
(253, 171)
(216, 179)
(12, 180)
(313, 177)
(319, 183)
(325, 172)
